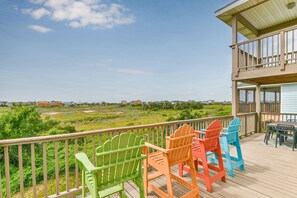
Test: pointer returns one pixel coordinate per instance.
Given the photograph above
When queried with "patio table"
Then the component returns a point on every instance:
(274, 125)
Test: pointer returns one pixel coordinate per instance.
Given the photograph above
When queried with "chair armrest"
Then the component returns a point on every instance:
(155, 147)
(224, 133)
(84, 162)
(200, 132)
(197, 140)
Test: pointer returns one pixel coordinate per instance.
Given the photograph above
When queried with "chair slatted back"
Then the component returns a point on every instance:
(212, 134)
(180, 144)
(285, 128)
(119, 158)
(233, 130)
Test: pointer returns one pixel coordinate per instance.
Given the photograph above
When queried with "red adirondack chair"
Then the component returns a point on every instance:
(203, 143)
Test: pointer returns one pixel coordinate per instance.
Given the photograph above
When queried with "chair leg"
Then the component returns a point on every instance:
(294, 142)
(276, 141)
(193, 174)
(168, 179)
(180, 169)
(139, 182)
(196, 164)
(229, 163)
(221, 165)
(122, 193)
(145, 170)
(206, 173)
(239, 154)
(83, 184)
(226, 149)
(266, 137)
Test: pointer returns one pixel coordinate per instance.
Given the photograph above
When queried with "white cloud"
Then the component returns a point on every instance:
(82, 13)
(39, 28)
(27, 11)
(37, 14)
(36, 1)
(134, 72)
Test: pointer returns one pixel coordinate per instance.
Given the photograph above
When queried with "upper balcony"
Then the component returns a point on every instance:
(268, 59)
(269, 55)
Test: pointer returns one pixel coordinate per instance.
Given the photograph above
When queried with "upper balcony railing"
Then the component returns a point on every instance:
(51, 168)
(276, 49)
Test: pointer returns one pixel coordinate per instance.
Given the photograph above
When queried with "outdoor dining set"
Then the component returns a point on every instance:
(128, 157)
(283, 130)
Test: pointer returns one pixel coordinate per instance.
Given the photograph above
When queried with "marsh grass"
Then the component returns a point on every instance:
(86, 118)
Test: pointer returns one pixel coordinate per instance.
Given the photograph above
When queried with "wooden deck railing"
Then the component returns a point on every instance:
(270, 50)
(57, 152)
(265, 107)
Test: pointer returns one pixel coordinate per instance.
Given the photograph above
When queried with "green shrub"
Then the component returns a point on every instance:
(26, 121)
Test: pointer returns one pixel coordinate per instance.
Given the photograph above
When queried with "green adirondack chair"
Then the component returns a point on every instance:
(118, 160)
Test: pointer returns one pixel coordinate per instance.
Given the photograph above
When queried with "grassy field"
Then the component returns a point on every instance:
(101, 117)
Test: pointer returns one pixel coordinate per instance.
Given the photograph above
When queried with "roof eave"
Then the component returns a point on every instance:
(229, 7)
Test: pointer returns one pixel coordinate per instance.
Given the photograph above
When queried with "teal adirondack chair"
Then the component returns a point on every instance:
(118, 160)
(230, 137)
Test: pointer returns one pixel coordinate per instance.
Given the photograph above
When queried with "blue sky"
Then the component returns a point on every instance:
(113, 50)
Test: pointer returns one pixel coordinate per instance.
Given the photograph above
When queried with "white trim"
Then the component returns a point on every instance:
(229, 7)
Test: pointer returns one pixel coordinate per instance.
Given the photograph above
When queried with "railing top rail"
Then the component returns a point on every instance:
(243, 114)
(267, 113)
(266, 35)
(29, 140)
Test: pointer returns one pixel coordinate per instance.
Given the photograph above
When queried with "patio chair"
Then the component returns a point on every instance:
(118, 160)
(269, 131)
(230, 138)
(209, 143)
(178, 149)
(284, 131)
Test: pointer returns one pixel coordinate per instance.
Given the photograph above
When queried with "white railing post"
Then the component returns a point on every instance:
(282, 53)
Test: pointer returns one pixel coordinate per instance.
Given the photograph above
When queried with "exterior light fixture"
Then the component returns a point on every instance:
(290, 4)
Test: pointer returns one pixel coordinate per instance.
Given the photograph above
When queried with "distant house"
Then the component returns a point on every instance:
(56, 104)
(137, 102)
(68, 103)
(29, 103)
(207, 102)
(124, 102)
(43, 104)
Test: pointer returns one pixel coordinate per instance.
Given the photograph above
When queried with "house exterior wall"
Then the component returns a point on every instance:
(289, 98)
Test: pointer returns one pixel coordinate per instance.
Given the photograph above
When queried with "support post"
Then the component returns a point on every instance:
(234, 98)
(235, 66)
(258, 108)
(282, 49)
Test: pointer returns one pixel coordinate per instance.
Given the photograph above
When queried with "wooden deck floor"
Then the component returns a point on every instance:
(269, 172)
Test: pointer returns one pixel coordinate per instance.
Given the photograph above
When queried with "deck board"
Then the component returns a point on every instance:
(269, 172)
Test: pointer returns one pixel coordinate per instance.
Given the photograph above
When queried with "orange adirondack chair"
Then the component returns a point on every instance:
(178, 150)
(208, 143)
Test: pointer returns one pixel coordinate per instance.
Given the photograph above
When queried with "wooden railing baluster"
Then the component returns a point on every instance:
(0, 185)
(93, 149)
(67, 166)
(76, 165)
(57, 167)
(20, 155)
(33, 169)
(7, 172)
(44, 168)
